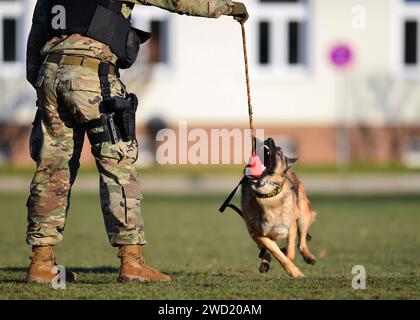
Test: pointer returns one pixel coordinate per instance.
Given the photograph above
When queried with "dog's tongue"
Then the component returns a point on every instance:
(255, 167)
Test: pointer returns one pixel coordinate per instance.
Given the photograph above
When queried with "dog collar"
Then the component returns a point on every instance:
(271, 194)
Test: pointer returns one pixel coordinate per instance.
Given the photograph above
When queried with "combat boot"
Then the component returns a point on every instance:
(133, 268)
(41, 267)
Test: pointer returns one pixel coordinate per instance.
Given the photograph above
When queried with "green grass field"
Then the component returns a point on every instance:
(210, 256)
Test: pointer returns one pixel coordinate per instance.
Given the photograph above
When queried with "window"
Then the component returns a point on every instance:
(264, 43)
(156, 21)
(407, 37)
(281, 32)
(159, 41)
(11, 37)
(9, 40)
(410, 42)
(294, 33)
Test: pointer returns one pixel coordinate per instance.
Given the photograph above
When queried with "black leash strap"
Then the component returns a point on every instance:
(227, 203)
(103, 72)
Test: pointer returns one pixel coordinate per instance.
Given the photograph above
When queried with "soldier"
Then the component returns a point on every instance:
(75, 49)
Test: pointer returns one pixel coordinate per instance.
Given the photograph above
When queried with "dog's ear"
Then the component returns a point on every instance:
(290, 162)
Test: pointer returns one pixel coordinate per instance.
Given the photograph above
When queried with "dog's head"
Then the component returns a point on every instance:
(275, 161)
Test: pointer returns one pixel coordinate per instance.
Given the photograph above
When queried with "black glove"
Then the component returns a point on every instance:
(239, 12)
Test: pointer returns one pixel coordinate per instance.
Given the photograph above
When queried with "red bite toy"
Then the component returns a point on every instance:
(255, 168)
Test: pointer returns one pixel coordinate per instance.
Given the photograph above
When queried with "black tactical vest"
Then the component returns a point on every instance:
(101, 20)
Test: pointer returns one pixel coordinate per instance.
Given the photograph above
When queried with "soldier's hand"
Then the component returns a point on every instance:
(239, 12)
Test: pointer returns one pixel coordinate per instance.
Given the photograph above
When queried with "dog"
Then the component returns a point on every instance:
(275, 207)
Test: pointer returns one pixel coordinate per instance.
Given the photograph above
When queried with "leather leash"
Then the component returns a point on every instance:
(226, 203)
(248, 89)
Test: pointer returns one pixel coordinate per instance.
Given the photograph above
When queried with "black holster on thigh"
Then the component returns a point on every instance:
(118, 119)
(124, 110)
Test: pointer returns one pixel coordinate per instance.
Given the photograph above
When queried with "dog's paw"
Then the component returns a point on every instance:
(310, 260)
(294, 271)
(298, 275)
(264, 267)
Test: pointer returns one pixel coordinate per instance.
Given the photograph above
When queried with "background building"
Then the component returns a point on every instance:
(192, 70)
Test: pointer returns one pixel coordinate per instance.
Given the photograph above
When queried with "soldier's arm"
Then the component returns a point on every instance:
(36, 40)
(202, 8)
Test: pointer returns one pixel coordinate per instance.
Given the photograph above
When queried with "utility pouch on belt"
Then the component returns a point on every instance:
(103, 130)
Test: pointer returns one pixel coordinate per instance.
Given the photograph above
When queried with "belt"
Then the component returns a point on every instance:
(79, 61)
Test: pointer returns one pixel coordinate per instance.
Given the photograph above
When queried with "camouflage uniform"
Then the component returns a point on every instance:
(68, 97)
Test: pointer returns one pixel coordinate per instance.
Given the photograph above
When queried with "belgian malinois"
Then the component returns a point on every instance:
(275, 207)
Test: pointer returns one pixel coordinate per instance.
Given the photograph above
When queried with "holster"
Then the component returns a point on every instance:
(118, 119)
(124, 110)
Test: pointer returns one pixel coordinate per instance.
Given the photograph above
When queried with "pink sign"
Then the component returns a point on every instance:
(341, 56)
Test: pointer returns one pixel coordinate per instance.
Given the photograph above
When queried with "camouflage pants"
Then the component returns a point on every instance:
(68, 97)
